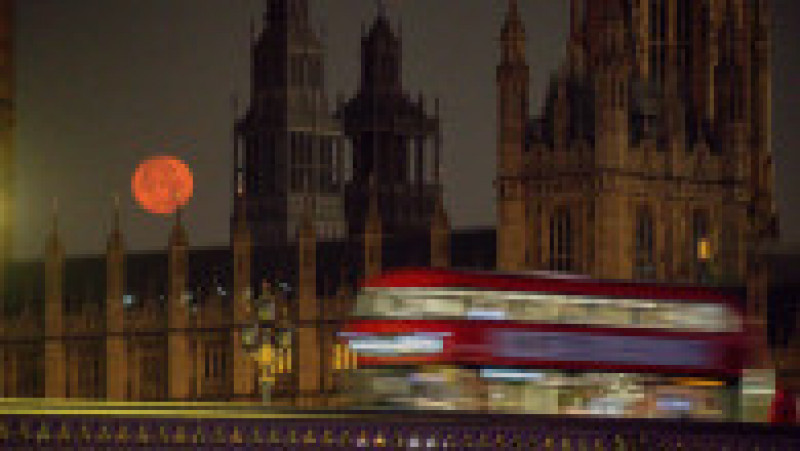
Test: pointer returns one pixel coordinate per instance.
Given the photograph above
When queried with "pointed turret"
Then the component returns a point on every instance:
(178, 312)
(512, 108)
(512, 81)
(178, 236)
(576, 42)
(243, 366)
(513, 36)
(115, 240)
(116, 362)
(381, 56)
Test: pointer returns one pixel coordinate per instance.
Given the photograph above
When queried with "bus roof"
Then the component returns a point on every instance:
(549, 282)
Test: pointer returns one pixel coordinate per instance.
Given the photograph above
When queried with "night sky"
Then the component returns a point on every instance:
(103, 84)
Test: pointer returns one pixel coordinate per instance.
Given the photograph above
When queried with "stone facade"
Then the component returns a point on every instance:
(180, 342)
(653, 145)
(651, 158)
(288, 147)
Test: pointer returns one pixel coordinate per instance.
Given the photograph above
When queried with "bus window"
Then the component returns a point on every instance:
(614, 313)
(569, 310)
(708, 317)
(538, 308)
(444, 306)
(488, 307)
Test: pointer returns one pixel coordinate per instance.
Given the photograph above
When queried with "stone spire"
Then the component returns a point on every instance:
(179, 380)
(243, 366)
(513, 35)
(53, 238)
(512, 113)
(178, 236)
(115, 236)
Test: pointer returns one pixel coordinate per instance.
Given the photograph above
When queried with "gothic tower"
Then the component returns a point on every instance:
(394, 140)
(287, 143)
(512, 115)
(650, 158)
(7, 120)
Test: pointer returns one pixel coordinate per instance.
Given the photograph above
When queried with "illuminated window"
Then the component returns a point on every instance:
(700, 243)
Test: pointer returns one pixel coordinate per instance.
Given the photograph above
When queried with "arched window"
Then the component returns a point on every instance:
(644, 259)
(561, 241)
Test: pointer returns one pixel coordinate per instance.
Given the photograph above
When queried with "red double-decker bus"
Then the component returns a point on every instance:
(541, 343)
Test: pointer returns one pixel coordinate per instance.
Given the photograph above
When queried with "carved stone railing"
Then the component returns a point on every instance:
(36, 423)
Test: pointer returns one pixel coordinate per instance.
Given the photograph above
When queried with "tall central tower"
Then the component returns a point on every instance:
(6, 133)
(288, 149)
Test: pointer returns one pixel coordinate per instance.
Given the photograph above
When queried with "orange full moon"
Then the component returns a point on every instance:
(162, 184)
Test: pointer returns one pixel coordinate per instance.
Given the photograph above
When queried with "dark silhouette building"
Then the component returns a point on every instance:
(396, 143)
(288, 149)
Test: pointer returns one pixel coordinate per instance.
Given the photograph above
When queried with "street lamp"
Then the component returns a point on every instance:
(268, 340)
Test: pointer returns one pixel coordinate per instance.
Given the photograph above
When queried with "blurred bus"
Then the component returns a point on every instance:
(543, 343)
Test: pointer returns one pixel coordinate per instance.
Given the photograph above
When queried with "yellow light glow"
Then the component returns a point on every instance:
(700, 383)
(265, 356)
(337, 357)
(704, 249)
